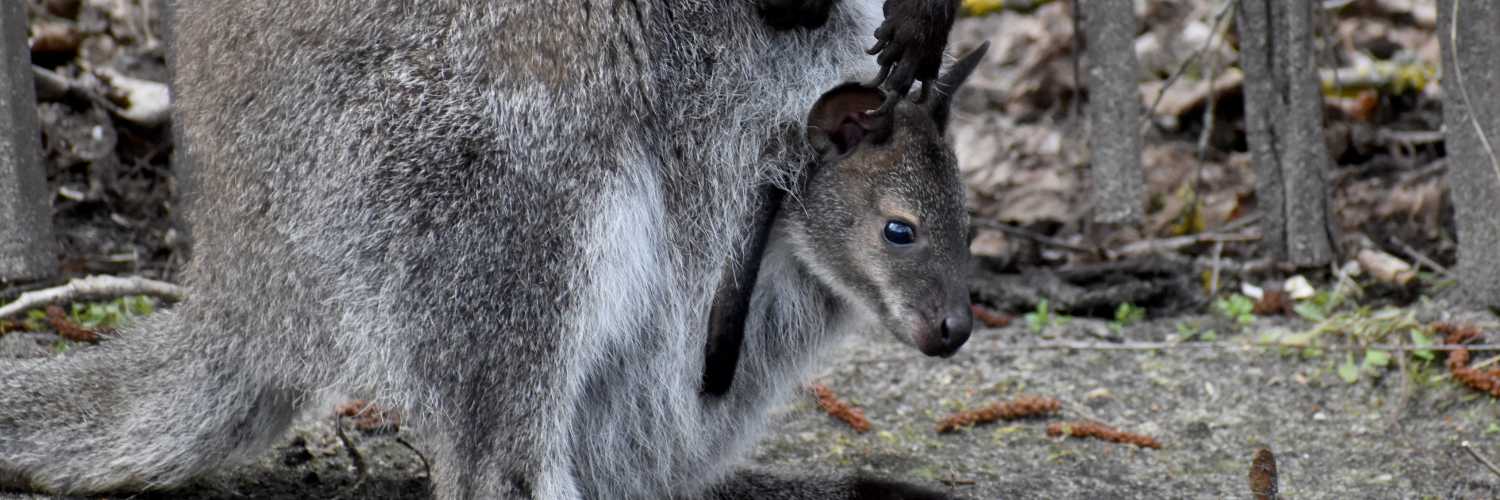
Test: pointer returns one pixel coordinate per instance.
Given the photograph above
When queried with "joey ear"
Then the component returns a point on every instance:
(939, 105)
(838, 122)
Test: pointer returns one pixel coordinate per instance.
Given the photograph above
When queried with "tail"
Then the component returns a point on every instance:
(146, 411)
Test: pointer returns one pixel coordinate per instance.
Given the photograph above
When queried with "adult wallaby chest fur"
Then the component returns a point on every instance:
(508, 218)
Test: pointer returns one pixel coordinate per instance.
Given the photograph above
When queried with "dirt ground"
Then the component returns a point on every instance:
(1210, 404)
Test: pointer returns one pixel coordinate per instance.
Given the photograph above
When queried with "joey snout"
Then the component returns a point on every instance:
(944, 335)
(937, 331)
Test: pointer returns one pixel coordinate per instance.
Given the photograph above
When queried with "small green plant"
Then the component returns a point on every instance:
(1421, 338)
(1321, 306)
(1187, 332)
(1127, 314)
(112, 314)
(96, 315)
(36, 320)
(1043, 317)
(1374, 362)
(1237, 308)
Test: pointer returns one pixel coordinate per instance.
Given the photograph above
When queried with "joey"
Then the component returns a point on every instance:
(877, 220)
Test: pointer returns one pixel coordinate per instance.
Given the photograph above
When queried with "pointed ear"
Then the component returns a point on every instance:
(939, 105)
(838, 122)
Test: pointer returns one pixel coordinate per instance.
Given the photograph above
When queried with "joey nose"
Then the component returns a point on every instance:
(957, 327)
(944, 338)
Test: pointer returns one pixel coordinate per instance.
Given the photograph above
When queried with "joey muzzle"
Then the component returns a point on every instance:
(947, 334)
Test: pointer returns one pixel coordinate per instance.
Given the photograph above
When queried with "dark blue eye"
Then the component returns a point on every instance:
(900, 233)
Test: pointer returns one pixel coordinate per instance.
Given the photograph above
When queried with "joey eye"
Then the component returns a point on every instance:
(900, 233)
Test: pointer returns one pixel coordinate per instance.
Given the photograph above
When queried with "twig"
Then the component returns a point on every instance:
(1182, 68)
(1418, 256)
(426, 467)
(92, 286)
(1481, 458)
(1463, 90)
(1213, 277)
(354, 455)
(1261, 265)
(1175, 243)
(1031, 235)
(1240, 223)
(1194, 210)
(1405, 394)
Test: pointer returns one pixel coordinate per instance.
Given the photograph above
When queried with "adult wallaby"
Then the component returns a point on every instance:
(507, 218)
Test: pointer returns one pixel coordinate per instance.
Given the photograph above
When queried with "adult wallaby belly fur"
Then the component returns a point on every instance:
(507, 218)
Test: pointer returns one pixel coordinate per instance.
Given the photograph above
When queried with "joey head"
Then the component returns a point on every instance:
(876, 221)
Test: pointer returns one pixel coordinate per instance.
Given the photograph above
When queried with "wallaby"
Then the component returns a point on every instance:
(508, 219)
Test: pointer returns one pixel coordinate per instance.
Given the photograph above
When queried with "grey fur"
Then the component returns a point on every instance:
(440, 203)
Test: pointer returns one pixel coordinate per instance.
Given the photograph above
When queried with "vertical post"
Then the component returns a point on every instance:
(1471, 117)
(25, 215)
(1284, 119)
(1114, 109)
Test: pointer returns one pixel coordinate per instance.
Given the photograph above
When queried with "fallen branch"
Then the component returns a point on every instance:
(93, 287)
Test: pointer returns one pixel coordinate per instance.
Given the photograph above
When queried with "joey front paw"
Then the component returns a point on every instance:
(909, 43)
(788, 14)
